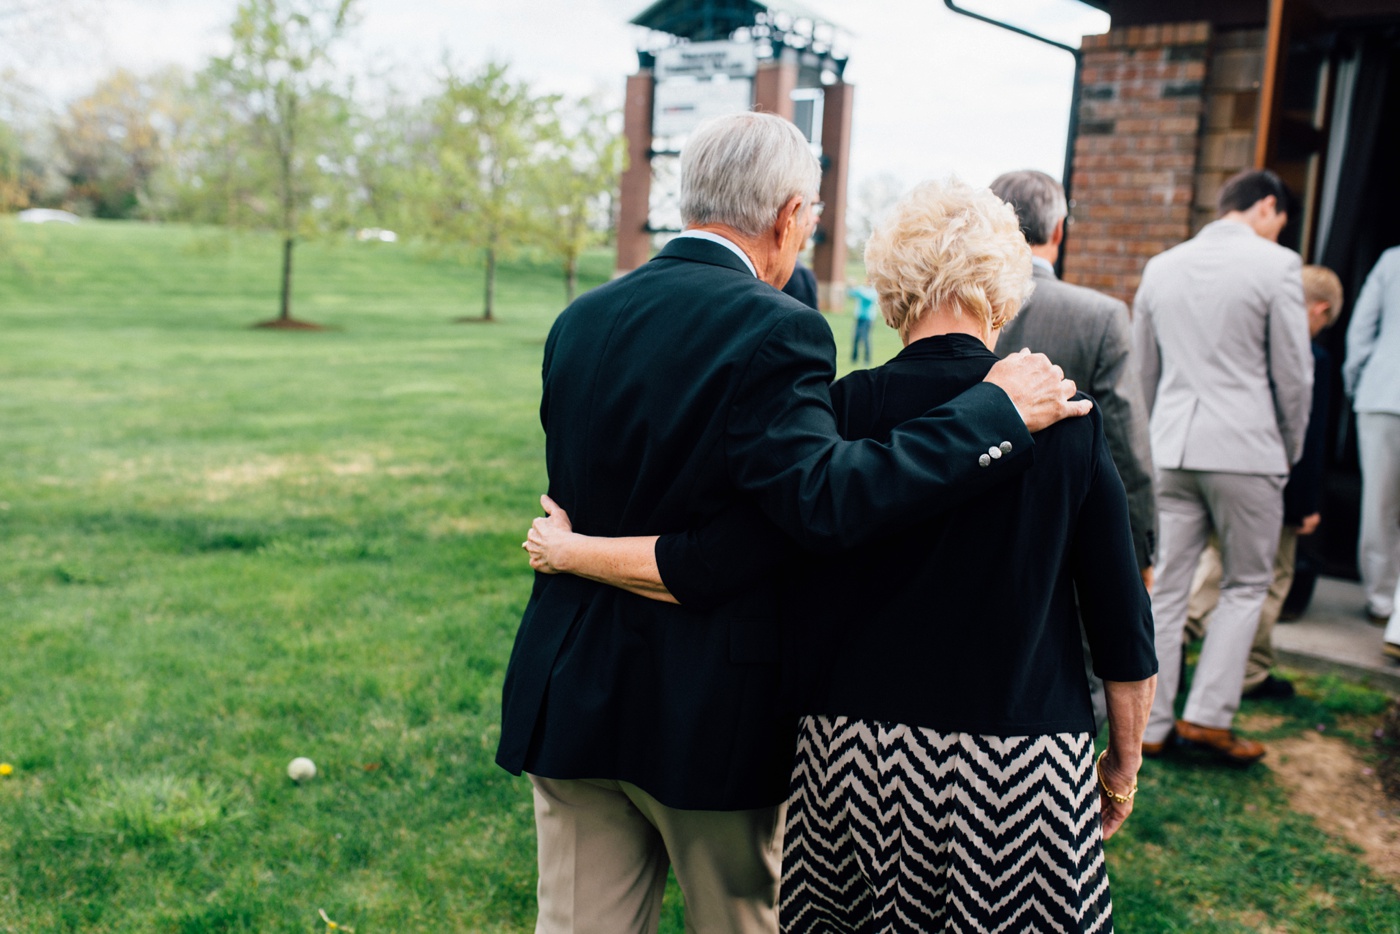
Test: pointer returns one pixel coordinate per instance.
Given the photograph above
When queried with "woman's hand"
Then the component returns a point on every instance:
(1121, 777)
(549, 539)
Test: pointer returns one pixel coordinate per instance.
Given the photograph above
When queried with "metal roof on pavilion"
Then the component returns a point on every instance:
(706, 20)
(771, 25)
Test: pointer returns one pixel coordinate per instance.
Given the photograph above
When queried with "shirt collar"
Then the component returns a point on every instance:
(722, 241)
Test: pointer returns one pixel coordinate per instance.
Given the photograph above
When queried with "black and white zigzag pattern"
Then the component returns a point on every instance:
(893, 828)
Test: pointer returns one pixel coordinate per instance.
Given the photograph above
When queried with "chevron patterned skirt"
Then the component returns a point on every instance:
(892, 828)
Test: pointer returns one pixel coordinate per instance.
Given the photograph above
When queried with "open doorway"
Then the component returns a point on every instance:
(1336, 140)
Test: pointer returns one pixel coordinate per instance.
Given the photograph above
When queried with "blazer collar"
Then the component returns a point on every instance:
(946, 347)
(1040, 272)
(695, 250)
(1223, 228)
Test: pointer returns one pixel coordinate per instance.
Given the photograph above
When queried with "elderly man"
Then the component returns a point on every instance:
(1221, 337)
(1371, 375)
(653, 733)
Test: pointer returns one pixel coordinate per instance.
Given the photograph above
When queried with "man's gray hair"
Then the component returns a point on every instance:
(739, 170)
(1037, 199)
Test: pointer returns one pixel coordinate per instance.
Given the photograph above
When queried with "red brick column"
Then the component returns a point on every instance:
(829, 256)
(774, 83)
(1142, 96)
(634, 196)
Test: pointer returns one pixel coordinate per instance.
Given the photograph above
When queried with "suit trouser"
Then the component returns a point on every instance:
(605, 846)
(1378, 553)
(1205, 594)
(1392, 628)
(1246, 512)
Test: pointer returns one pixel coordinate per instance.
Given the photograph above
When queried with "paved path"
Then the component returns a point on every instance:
(1334, 637)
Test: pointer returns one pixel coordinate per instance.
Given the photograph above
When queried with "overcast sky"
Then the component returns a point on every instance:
(935, 92)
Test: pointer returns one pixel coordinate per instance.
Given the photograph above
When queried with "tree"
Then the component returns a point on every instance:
(285, 120)
(577, 182)
(875, 195)
(113, 140)
(489, 136)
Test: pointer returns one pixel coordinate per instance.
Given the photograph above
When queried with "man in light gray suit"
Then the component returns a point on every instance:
(1221, 338)
(1371, 375)
(1088, 335)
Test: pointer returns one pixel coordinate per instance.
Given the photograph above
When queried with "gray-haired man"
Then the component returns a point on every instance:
(674, 398)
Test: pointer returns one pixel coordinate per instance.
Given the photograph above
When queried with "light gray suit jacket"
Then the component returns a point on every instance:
(1371, 373)
(1088, 335)
(1221, 339)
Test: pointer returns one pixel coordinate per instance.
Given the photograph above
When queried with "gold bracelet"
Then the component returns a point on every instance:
(1112, 795)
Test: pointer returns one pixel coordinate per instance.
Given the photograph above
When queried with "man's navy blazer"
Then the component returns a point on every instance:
(679, 393)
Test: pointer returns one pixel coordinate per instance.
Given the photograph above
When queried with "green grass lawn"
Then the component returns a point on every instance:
(221, 548)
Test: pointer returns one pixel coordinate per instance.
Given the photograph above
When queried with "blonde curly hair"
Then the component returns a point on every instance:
(949, 247)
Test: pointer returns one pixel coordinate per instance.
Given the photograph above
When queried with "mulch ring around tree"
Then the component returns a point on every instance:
(290, 324)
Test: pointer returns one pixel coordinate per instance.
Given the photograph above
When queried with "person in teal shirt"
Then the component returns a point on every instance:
(866, 307)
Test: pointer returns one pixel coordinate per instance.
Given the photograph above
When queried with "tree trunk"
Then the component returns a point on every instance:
(571, 277)
(286, 279)
(489, 313)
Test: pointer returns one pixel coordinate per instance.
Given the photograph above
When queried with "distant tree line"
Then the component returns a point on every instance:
(275, 136)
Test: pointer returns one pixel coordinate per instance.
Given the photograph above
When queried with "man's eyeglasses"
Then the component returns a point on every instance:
(817, 208)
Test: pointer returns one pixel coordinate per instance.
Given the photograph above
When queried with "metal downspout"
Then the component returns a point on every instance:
(1073, 130)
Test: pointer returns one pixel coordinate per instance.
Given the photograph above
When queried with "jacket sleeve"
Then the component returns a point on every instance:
(1365, 327)
(1112, 600)
(782, 446)
(728, 556)
(1147, 355)
(1303, 495)
(1117, 390)
(1290, 359)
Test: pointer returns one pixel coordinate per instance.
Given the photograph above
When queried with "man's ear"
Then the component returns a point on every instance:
(1057, 236)
(787, 218)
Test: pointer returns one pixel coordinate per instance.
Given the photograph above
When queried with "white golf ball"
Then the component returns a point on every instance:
(301, 769)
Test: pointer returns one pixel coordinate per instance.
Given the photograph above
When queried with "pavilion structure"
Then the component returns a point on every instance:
(704, 58)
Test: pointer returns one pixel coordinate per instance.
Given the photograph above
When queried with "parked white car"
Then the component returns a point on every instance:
(47, 216)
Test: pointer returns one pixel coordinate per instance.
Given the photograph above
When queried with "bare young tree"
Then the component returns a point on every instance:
(577, 180)
(282, 102)
(490, 135)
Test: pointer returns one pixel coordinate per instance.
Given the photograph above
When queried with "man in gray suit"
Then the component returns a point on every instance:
(1088, 335)
(1221, 338)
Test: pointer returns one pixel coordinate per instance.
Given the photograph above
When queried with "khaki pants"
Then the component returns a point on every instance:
(1205, 593)
(605, 846)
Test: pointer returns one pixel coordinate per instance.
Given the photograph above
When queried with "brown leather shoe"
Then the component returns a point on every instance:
(1391, 650)
(1154, 750)
(1223, 744)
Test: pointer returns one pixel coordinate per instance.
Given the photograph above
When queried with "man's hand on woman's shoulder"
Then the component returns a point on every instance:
(1038, 389)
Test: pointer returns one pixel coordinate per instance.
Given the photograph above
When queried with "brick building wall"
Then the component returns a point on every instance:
(1232, 115)
(1142, 100)
(1166, 114)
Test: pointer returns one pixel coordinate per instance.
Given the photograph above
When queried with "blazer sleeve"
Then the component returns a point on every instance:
(1147, 355)
(782, 447)
(1113, 603)
(1117, 390)
(1364, 329)
(1290, 358)
(730, 555)
(1303, 495)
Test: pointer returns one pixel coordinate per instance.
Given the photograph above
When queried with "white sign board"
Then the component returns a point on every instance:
(706, 59)
(679, 105)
